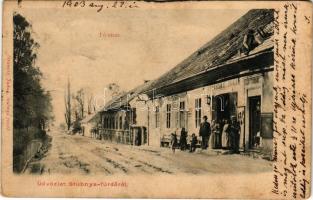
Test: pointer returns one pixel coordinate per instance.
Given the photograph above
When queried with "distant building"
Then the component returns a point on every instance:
(119, 121)
(89, 125)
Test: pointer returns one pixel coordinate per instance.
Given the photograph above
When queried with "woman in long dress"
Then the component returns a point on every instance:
(225, 135)
(212, 139)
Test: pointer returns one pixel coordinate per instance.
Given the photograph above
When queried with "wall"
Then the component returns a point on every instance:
(157, 132)
(267, 107)
(245, 87)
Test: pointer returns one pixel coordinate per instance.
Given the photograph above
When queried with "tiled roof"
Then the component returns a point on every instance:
(123, 100)
(222, 48)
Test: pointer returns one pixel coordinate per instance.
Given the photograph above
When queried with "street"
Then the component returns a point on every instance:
(82, 155)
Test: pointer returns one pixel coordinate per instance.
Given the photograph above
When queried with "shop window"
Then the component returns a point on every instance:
(157, 117)
(198, 112)
(168, 116)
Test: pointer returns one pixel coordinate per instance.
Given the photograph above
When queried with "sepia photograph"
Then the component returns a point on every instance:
(84, 109)
(138, 99)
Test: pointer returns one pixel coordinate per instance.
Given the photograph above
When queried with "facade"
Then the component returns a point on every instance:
(119, 121)
(220, 81)
(249, 97)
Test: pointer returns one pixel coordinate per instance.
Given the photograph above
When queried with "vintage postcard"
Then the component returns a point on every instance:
(148, 99)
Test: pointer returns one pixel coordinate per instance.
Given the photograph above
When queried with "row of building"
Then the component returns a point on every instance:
(230, 75)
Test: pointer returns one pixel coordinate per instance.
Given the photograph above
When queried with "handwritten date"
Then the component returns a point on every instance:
(99, 5)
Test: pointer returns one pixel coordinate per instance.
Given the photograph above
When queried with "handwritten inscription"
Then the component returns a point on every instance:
(290, 105)
(8, 86)
(99, 5)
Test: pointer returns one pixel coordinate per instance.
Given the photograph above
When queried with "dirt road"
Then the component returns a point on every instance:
(83, 155)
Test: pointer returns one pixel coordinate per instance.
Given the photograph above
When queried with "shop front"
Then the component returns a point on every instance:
(249, 98)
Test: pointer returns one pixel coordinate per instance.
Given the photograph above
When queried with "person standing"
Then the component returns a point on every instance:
(173, 141)
(235, 134)
(217, 133)
(193, 142)
(212, 139)
(225, 135)
(183, 139)
(205, 132)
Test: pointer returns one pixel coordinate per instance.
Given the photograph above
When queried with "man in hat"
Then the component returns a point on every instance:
(234, 130)
(205, 132)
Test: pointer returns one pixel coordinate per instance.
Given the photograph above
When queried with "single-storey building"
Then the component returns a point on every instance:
(219, 80)
(119, 120)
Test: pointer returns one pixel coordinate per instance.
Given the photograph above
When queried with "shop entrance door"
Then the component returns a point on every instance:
(254, 121)
(224, 106)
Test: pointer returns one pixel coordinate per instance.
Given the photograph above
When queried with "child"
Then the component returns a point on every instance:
(193, 144)
(173, 141)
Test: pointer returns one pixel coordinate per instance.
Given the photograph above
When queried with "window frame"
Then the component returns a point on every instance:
(157, 117)
(198, 109)
(168, 115)
(181, 115)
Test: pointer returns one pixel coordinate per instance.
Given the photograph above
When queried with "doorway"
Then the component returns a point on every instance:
(224, 106)
(254, 121)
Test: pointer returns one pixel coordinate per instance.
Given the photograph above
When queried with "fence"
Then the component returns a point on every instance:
(20, 161)
(118, 136)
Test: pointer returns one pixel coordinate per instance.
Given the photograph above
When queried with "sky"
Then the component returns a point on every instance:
(149, 43)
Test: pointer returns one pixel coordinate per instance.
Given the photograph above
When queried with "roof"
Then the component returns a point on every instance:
(255, 63)
(122, 101)
(222, 48)
(89, 118)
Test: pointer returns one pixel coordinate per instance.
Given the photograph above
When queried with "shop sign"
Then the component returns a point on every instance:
(252, 80)
(226, 84)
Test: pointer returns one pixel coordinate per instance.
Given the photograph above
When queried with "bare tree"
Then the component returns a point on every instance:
(91, 108)
(114, 89)
(68, 107)
(80, 98)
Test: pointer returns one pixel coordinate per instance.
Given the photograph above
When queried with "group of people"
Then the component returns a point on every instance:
(226, 134)
(221, 134)
(183, 144)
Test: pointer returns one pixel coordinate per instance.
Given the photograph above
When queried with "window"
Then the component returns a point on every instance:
(104, 122)
(168, 116)
(198, 112)
(133, 116)
(116, 123)
(157, 117)
(112, 123)
(121, 122)
(182, 121)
